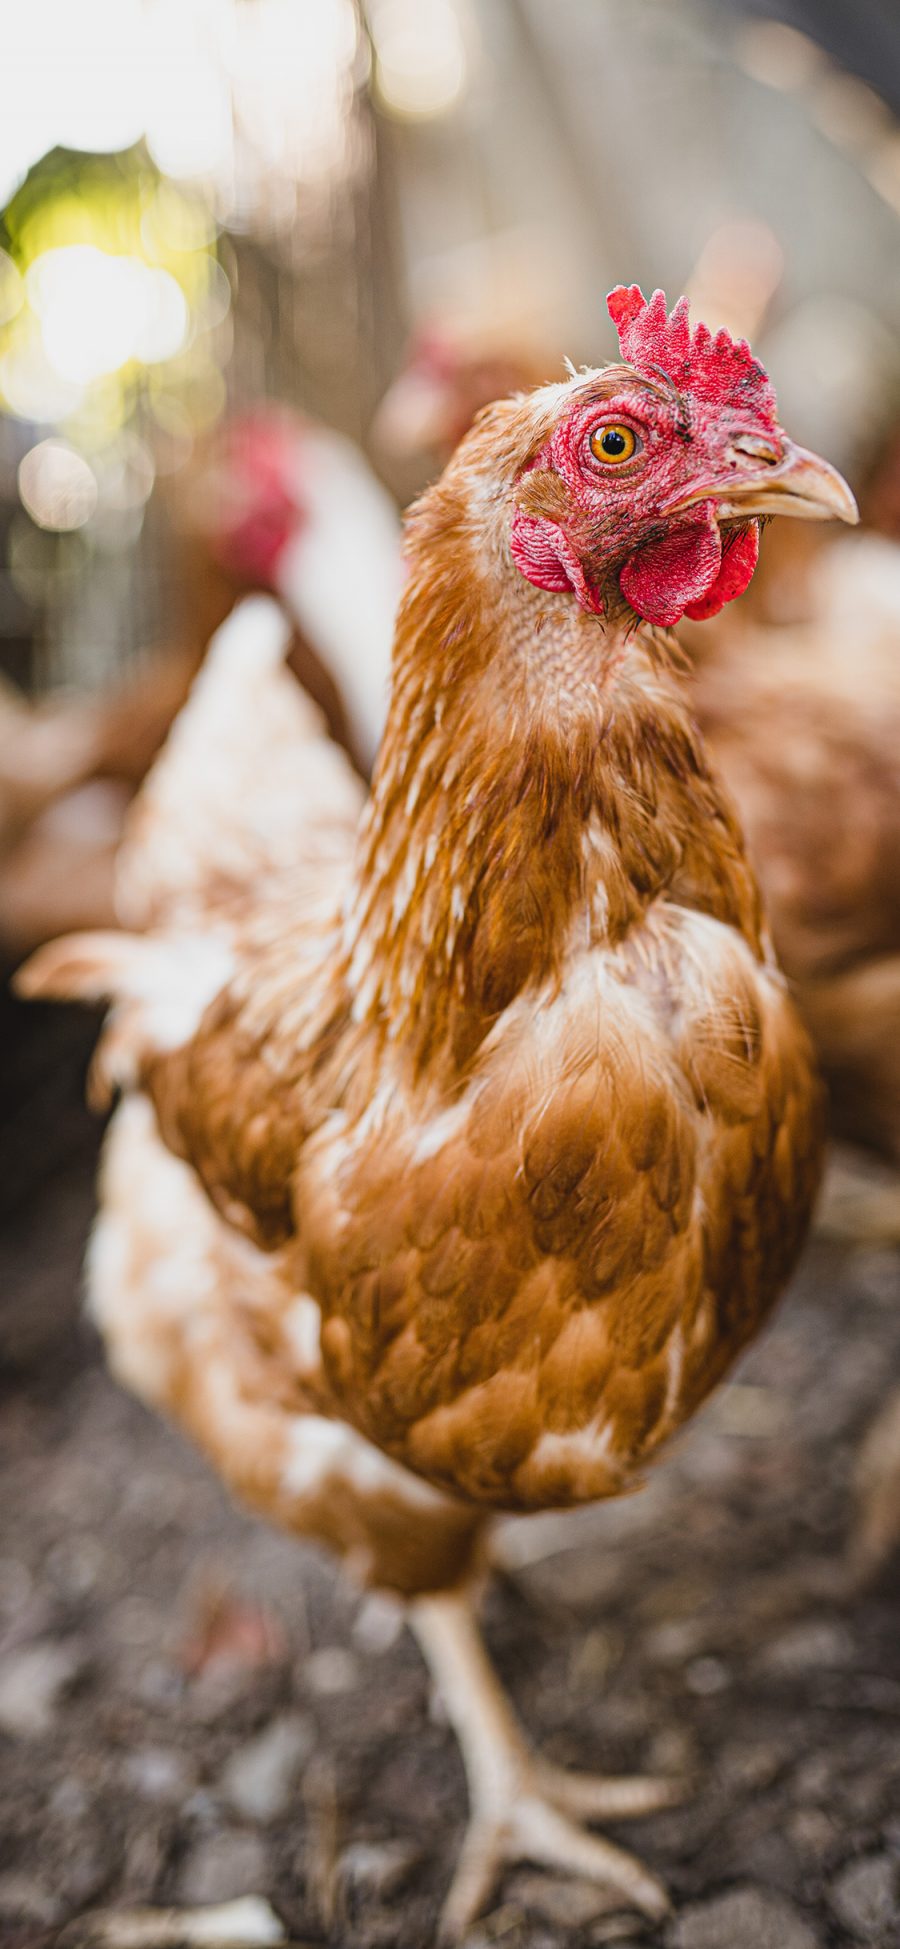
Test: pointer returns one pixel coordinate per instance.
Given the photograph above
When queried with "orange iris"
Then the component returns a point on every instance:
(613, 443)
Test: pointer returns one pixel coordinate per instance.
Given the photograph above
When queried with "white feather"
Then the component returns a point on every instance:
(341, 576)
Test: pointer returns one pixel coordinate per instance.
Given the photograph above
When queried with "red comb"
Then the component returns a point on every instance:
(259, 498)
(718, 370)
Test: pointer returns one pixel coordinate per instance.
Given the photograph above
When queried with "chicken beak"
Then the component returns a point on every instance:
(799, 483)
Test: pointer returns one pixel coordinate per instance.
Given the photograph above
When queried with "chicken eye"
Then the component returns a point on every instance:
(612, 444)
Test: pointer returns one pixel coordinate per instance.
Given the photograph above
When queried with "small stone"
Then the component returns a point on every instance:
(813, 1779)
(249, 1922)
(157, 1774)
(675, 1640)
(618, 1932)
(569, 1903)
(811, 1832)
(223, 1866)
(229, 1633)
(861, 1798)
(32, 1681)
(502, 1923)
(331, 1671)
(15, 1586)
(145, 1856)
(672, 1750)
(377, 1869)
(202, 1808)
(750, 1411)
(76, 1564)
(875, 1275)
(158, 1685)
(595, 1658)
(891, 1832)
(761, 1852)
(745, 1918)
(135, 1622)
(707, 1676)
(258, 1779)
(217, 1694)
(750, 1767)
(24, 1900)
(817, 1644)
(864, 1896)
(87, 1862)
(378, 1623)
(69, 1800)
(590, 1578)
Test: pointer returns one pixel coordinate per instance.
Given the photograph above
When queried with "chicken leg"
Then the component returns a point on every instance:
(522, 1807)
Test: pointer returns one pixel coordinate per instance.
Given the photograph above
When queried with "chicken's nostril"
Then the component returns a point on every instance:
(751, 447)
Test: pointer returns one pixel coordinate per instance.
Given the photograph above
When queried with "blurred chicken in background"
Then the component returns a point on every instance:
(452, 371)
(274, 502)
(287, 504)
(56, 840)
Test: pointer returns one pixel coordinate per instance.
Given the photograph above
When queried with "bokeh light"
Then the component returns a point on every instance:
(12, 294)
(289, 68)
(97, 311)
(112, 275)
(421, 56)
(76, 81)
(57, 486)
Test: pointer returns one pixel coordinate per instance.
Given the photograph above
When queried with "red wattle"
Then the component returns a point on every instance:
(542, 552)
(740, 554)
(261, 511)
(665, 579)
(252, 547)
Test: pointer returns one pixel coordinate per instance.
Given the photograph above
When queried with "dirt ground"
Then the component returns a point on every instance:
(193, 1707)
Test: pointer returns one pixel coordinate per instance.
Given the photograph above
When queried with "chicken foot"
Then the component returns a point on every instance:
(523, 1808)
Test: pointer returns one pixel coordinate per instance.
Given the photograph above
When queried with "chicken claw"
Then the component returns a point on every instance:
(522, 1807)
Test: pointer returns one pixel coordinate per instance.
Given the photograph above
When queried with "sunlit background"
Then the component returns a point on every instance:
(208, 207)
(205, 202)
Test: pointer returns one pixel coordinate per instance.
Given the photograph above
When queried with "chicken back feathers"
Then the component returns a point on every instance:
(508, 1129)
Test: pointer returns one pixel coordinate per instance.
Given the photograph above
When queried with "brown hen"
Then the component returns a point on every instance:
(468, 1134)
(797, 692)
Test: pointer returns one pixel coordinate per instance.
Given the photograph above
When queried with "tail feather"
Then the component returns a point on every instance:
(247, 785)
(81, 967)
(159, 985)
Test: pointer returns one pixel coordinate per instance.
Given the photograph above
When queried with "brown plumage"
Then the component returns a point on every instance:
(508, 1129)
